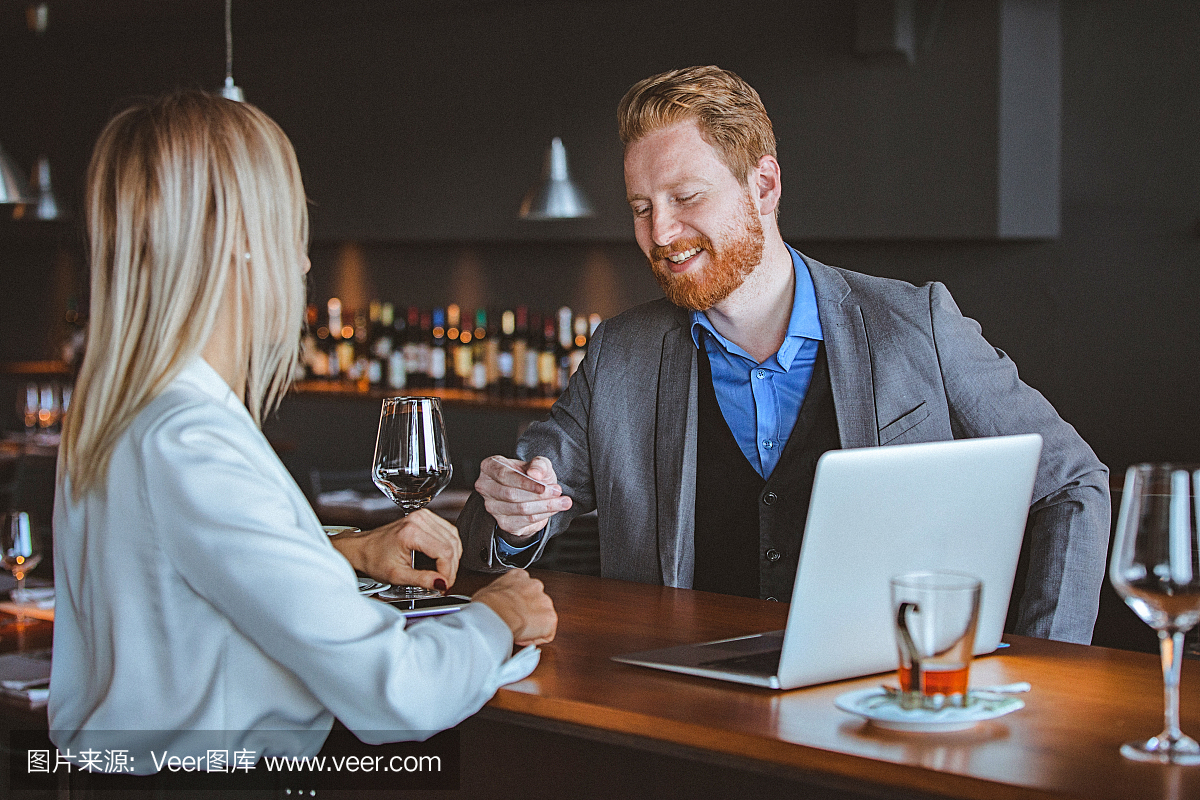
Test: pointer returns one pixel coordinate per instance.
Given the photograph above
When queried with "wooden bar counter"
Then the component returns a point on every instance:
(1085, 702)
(584, 726)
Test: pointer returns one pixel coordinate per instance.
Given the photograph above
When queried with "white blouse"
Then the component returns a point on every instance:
(196, 591)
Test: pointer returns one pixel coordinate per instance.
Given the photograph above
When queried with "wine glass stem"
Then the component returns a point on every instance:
(413, 556)
(19, 597)
(1171, 647)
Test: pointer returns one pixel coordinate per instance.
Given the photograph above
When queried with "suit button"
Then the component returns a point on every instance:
(483, 555)
(773, 599)
(773, 555)
(769, 498)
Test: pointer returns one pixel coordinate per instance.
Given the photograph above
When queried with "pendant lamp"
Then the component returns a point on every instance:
(47, 206)
(230, 90)
(555, 196)
(13, 188)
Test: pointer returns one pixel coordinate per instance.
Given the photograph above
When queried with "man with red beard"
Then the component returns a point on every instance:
(695, 423)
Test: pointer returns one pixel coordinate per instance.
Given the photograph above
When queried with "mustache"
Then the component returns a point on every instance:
(660, 253)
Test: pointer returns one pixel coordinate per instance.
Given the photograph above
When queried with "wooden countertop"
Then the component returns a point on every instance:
(1085, 702)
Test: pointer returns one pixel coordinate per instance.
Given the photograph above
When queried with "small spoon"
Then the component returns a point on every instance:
(1004, 688)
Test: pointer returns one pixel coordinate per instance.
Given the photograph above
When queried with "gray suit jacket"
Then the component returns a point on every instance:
(906, 366)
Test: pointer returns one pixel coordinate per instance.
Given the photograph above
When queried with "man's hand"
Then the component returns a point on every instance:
(520, 506)
(522, 602)
(386, 553)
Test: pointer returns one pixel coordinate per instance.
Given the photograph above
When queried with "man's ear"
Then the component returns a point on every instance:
(766, 185)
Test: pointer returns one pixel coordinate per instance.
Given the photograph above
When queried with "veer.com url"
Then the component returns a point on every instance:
(365, 763)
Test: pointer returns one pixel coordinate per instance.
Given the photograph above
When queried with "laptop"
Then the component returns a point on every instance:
(875, 513)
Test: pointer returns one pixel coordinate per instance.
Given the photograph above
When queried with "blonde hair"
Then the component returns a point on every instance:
(193, 201)
(729, 112)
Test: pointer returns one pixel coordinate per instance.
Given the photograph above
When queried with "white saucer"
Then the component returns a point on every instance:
(882, 710)
(368, 587)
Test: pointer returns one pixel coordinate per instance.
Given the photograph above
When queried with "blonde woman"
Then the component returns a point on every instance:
(196, 588)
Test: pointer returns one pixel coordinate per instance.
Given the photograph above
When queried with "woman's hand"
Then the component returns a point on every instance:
(385, 553)
(522, 602)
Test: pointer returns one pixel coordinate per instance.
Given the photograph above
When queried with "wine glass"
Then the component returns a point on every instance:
(412, 464)
(1155, 568)
(19, 554)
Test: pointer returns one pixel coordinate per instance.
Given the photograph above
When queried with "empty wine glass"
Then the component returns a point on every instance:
(19, 554)
(1155, 567)
(412, 464)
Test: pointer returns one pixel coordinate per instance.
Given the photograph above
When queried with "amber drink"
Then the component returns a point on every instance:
(935, 614)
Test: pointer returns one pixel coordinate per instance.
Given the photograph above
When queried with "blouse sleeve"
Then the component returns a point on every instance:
(231, 526)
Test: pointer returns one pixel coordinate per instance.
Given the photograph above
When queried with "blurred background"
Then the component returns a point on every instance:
(1039, 157)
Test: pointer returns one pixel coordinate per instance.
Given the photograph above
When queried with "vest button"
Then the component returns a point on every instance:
(769, 498)
(773, 555)
(773, 599)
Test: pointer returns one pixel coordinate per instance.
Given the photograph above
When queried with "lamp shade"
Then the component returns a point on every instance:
(47, 203)
(555, 196)
(13, 188)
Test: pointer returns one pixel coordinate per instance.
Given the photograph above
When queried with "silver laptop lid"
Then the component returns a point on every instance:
(882, 511)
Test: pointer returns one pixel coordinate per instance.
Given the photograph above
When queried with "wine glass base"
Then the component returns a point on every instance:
(408, 593)
(1161, 750)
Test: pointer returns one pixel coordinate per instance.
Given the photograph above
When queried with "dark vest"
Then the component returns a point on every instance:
(748, 531)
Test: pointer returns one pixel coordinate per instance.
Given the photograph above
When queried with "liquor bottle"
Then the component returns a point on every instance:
(425, 348)
(548, 361)
(359, 348)
(437, 349)
(310, 353)
(533, 349)
(333, 343)
(520, 346)
(566, 343)
(397, 370)
(504, 385)
(381, 342)
(453, 376)
(581, 340)
(464, 360)
(491, 353)
(412, 349)
(324, 349)
(75, 338)
(479, 377)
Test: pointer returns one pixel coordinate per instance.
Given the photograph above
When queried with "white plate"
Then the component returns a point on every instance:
(883, 710)
(368, 587)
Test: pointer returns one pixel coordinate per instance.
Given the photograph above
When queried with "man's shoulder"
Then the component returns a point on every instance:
(862, 283)
(655, 317)
(839, 284)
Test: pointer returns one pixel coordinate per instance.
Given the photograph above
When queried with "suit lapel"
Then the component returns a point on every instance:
(675, 465)
(849, 354)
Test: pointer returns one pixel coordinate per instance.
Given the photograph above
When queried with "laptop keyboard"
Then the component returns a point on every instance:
(764, 663)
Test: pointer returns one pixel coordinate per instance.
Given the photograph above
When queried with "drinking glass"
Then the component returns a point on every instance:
(936, 614)
(19, 554)
(412, 463)
(1155, 569)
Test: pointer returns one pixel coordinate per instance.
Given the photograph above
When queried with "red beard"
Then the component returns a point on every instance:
(730, 261)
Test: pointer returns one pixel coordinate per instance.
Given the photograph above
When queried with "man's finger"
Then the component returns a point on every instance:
(541, 470)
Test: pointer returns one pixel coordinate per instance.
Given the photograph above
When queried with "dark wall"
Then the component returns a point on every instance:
(419, 126)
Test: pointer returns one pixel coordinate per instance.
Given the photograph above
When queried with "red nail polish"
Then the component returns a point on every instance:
(440, 585)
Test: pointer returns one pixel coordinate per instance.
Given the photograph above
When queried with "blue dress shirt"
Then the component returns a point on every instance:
(761, 402)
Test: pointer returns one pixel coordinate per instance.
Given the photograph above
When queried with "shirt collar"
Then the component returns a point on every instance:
(803, 324)
(200, 375)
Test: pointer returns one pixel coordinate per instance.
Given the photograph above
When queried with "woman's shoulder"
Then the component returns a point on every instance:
(186, 418)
